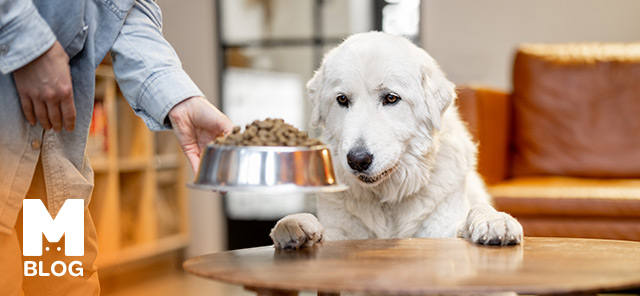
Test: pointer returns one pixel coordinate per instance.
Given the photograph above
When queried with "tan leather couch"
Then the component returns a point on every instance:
(562, 152)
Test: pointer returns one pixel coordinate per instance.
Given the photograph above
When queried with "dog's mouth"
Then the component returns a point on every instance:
(377, 178)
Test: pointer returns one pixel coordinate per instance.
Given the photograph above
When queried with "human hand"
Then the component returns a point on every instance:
(196, 123)
(45, 90)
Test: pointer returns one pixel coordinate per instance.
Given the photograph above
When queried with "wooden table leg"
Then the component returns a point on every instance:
(271, 292)
(320, 293)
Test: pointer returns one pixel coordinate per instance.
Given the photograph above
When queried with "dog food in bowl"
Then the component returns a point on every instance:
(268, 132)
(269, 157)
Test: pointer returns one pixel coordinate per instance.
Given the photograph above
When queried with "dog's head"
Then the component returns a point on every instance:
(379, 100)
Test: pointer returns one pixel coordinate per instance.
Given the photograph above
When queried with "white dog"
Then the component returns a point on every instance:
(387, 114)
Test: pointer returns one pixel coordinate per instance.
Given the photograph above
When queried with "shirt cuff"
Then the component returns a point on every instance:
(162, 92)
(23, 39)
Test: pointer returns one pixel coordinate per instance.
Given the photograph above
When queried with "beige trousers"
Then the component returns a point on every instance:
(12, 279)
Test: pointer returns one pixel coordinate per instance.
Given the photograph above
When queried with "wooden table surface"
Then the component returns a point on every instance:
(425, 266)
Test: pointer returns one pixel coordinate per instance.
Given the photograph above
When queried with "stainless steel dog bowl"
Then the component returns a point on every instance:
(267, 169)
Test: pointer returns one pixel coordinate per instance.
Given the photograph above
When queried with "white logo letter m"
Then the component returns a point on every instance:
(36, 221)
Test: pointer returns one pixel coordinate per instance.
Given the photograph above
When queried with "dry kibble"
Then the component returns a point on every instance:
(265, 125)
(268, 132)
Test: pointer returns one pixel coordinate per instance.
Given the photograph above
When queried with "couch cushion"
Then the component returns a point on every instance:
(581, 227)
(568, 197)
(577, 110)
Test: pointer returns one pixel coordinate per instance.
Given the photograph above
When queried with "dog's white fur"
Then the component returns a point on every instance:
(422, 181)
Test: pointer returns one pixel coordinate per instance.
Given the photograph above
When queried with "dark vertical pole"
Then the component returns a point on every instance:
(378, 5)
(220, 52)
(317, 37)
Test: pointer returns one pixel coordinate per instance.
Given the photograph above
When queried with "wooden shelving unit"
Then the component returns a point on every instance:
(139, 202)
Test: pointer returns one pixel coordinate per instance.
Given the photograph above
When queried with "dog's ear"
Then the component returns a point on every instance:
(314, 91)
(439, 92)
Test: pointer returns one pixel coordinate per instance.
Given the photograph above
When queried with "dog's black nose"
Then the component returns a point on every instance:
(359, 159)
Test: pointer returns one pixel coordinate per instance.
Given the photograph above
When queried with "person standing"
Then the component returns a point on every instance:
(49, 51)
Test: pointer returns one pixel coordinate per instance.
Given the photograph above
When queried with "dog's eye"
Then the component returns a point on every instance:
(342, 100)
(391, 99)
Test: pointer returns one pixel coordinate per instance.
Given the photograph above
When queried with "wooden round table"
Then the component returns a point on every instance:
(430, 266)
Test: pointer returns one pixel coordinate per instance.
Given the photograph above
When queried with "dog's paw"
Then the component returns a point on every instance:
(297, 230)
(487, 226)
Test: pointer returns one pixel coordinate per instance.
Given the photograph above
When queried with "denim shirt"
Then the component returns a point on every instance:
(147, 70)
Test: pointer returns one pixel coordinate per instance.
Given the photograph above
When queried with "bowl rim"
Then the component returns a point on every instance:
(269, 148)
(275, 189)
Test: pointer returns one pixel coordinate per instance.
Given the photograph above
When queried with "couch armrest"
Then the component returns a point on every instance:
(487, 114)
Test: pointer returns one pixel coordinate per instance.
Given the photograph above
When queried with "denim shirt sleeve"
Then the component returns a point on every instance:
(147, 68)
(24, 35)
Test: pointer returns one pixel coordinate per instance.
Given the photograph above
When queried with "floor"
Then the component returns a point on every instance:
(177, 283)
(181, 284)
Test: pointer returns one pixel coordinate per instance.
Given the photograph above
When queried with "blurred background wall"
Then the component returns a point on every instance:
(475, 41)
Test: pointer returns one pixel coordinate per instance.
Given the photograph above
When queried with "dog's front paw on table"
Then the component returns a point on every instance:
(487, 226)
(297, 230)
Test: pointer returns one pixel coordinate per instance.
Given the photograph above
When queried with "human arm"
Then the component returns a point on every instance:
(150, 76)
(40, 66)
